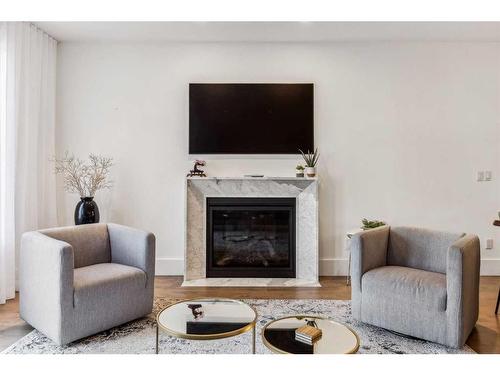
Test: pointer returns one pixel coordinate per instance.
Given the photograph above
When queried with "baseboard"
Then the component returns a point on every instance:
(333, 267)
(490, 267)
(327, 267)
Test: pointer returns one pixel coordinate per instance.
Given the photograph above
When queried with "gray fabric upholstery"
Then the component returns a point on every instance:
(124, 240)
(368, 251)
(45, 283)
(405, 286)
(90, 242)
(406, 293)
(396, 311)
(67, 303)
(105, 279)
(420, 248)
(462, 274)
(114, 293)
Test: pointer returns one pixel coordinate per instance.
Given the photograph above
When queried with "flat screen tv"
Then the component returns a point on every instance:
(251, 118)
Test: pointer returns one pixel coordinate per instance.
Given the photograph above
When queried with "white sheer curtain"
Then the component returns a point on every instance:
(27, 135)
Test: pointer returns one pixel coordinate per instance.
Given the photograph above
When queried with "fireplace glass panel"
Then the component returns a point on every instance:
(251, 237)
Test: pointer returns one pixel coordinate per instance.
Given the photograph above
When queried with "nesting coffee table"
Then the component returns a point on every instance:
(279, 336)
(206, 319)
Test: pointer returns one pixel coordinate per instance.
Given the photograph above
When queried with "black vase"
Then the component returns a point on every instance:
(86, 211)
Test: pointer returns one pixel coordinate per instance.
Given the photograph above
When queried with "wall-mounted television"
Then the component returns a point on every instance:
(251, 118)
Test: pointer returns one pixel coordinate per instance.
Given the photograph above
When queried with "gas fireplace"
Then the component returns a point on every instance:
(250, 237)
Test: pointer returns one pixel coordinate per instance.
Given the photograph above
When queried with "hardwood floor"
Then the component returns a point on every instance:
(485, 338)
(12, 327)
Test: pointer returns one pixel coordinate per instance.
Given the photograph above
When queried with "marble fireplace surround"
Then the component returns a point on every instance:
(304, 190)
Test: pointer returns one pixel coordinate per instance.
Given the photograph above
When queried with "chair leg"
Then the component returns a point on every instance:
(498, 301)
(348, 277)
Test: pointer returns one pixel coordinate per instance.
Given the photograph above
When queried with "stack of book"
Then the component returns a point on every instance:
(307, 334)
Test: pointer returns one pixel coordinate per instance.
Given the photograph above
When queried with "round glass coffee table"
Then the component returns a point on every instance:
(206, 319)
(279, 336)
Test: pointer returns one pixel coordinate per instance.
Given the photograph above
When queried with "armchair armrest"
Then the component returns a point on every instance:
(368, 251)
(133, 247)
(45, 282)
(462, 283)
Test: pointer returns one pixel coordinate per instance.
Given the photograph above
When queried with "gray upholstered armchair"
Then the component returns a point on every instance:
(418, 282)
(77, 281)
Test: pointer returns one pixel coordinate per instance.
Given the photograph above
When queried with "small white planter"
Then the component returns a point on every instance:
(299, 173)
(310, 171)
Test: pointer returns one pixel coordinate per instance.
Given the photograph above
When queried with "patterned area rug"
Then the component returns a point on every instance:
(138, 337)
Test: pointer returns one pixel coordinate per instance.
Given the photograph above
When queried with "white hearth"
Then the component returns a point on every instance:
(304, 190)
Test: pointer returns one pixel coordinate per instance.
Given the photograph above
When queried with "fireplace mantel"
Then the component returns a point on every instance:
(305, 190)
(267, 178)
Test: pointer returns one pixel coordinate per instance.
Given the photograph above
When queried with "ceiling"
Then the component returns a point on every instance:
(270, 31)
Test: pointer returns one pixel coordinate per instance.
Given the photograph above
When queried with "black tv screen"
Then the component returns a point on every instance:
(251, 118)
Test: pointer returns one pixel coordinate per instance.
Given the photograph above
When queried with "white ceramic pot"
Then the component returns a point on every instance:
(310, 171)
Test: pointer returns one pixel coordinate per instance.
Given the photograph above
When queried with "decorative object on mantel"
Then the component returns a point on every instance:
(371, 224)
(311, 160)
(299, 171)
(195, 172)
(86, 180)
(497, 222)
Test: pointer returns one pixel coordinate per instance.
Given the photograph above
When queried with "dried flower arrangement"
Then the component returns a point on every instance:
(84, 178)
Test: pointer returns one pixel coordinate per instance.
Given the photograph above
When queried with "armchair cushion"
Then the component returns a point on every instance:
(92, 283)
(406, 286)
(90, 242)
(106, 295)
(420, 248)
(405, 300)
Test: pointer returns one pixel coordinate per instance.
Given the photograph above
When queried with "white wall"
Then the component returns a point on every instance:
(402, 128)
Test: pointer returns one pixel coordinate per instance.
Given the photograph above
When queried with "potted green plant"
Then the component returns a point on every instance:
(311, 159)
(299, 171)
(370, 224)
